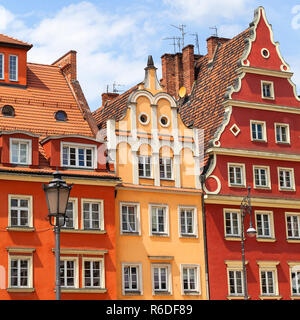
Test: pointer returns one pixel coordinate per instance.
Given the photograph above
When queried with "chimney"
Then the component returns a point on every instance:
(108, 96)
(168, 73)
(212, 43)
(68, 64)
(188, 62)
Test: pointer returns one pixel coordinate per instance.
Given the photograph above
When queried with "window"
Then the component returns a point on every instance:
(13, 68)
(144, 118)
(20, 211)
(236, 174)
(166, 170)
(187, 222)
(295, 278)
(1, 66)
(258, 131)
(190, 275)
(8, 111)
(145, 167)
(93, 218)
(235, 278)
(267, 88)
(71, 214)
(61, 116)
(232, 223)
(20, 151)
(132, 280)
(282, 133)
(268, 278)
(79, 156)
(93, 271)
(161, 278)
(164, 121)
(20, 271)
(261, 177)
(130, 217)
(264, 224)
(68, 272)
(159, 224)
(293, 225)
(286, 179)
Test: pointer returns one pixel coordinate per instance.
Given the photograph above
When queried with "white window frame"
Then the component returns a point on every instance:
(78, 146)
(101, 214)
(29, 258)
(292, 179)
(285, 125)
(293, 236)
(75, 215)
(272, 91)
(139, 289)
(28, 142)
(76, 270)
(197, 290)
(195, 222)
(235, 266)
(102, 272)
(232, 235)
(269, 214)
(243, 174)
(295, 268)
(137, 218)
(168, 290)
(268, 266)
(2, 60)
(144, 167)
(268, 177)
(165, 232)
(17, 68)
(164, 159)
(264, 131)
(30, 210)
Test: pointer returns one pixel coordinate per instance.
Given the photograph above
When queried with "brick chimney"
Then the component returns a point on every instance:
(212, 43)
(188, 63)
(168, 73)
(68, 64)
(108, 96)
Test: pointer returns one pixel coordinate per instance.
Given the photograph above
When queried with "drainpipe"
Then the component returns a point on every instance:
(202, 181)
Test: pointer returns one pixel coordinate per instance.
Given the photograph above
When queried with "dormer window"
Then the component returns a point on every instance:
(8, 111)
(1, 66)
(78, 155)
(13, 68)
(20, 151)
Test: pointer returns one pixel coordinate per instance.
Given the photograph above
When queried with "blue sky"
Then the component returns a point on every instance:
(114, 38)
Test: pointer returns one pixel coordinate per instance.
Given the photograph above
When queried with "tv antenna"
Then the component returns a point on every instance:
(216, 31)
(196, 41)
(176, 42)
(114, 85)
(181, 29)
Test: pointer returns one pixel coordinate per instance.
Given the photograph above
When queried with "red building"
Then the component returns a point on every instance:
(45, 125)
(242, 95)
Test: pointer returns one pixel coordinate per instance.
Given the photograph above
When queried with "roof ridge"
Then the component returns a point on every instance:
(17, 41)
(43, 64)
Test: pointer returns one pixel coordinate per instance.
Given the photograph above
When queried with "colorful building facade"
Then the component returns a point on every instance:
(244, 99)
(46, 126)
(159, 239)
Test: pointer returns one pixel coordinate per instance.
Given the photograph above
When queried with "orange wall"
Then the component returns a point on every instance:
(42, 239)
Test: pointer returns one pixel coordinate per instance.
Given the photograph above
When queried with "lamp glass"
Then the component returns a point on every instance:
(251, 232)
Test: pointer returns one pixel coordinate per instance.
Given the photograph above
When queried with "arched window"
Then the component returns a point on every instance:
(8, 111)
(61, 116)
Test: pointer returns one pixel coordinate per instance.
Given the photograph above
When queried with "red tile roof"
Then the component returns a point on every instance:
(4, 39)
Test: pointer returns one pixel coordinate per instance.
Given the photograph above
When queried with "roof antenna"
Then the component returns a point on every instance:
(216, 31)
(196, 40)
(181, 29)
(115, 85)
(176, 41)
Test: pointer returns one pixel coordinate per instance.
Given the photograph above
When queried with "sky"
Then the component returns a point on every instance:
(113, 38)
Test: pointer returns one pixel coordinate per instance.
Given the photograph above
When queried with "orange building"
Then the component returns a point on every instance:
(159, 231)
(45, 125)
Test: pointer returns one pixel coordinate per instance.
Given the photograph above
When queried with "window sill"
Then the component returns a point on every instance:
(271, 297)
(295, 297)
(191, 293)
(167, 179)
(132, 293)
(261, 239)
(83, 290)
(232, 238)
(162, 293)
(236, 186)
(287, 189)
(24, 290)
(240, 297)
(21, 229)
(124, 233)
(260, 141)
(188, 236)
(89, 231)
(262, 188)
(163, 235)
(293, 240)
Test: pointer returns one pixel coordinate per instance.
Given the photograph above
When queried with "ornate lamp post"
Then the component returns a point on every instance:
(251, 232)
(57, 194)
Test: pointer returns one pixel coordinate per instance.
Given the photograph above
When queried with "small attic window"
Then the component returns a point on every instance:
(8, 111)
(61, 116)
(265, 53)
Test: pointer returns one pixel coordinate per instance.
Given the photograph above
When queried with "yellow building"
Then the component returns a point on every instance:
(160, 250)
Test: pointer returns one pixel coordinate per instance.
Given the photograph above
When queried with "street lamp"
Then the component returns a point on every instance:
(251, 232)
(57, 194)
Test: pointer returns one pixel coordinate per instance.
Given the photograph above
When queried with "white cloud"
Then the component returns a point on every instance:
(296, 19)
(200, 11)
(6, 17)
